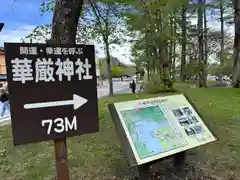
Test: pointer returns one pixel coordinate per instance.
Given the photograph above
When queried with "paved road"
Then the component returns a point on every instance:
(118, 87)
(222, 84)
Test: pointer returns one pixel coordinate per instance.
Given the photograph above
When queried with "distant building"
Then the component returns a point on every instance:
(3, 72)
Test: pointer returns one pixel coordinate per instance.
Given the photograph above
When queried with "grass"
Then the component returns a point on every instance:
(189, 84)
(221, 109)
(100, 156)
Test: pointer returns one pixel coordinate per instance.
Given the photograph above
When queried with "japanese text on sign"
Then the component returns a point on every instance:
(51, 51)
(22, 69)
(156, 101)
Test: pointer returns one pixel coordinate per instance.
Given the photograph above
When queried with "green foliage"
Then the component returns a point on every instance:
(192, 68)
(100, 21)
(105, 23)
(117, 71)
(129, 70)
(227, 67)
(224, 68)
(149, 24)
(43, 32)
(47, 6)
(118, 68)
(153, 88)
(155, 85)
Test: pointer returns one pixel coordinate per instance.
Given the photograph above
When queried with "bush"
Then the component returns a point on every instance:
(155, 85)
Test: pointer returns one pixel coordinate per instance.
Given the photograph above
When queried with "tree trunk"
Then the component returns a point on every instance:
(174, 47)
(183, 54)
(200, 44)
(236, 64)
(171, 44)
(153, 51)
(148, 73)
(162, 48)
(222, 36)
(147, 55)
(165, 64)
(65, 20)
(205, 62)
(108, 68)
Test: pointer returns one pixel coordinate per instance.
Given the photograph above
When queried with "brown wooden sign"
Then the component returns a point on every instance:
(53, 91)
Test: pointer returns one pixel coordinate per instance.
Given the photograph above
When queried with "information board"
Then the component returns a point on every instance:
(162, 126)
(53, 91)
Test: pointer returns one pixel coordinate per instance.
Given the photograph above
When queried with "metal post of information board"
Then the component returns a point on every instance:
(144, 172)
(179, 163)
(60, 148)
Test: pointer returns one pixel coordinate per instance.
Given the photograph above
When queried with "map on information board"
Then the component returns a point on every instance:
(150, 123)
(163, 126)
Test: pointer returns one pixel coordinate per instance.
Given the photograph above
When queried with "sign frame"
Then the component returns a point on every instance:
(134, 160)
(64, 95)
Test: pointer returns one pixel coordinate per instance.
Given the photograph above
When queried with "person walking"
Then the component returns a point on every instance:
(133, 86)
(4, 98)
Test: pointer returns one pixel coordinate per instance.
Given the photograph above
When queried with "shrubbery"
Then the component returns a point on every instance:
(156, 85)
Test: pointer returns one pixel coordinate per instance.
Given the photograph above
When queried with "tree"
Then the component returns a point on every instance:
(236, 63)
(162, 37)
(43, 32)
(65, 20)
(184, 43)
(99, 21)
(117, 71)
(155, 36)
(116, 68)
(105, 28)
(222, 32)
(202, 68)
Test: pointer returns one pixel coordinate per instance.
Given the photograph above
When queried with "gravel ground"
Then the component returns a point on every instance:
(164, 171)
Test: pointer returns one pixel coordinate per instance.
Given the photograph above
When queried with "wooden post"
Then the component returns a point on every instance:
(60, 148)
(61, 156)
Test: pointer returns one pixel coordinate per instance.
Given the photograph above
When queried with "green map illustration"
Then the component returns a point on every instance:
(151, 132)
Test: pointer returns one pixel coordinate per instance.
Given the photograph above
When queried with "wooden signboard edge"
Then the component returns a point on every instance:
(122, 136)
(9, 90)
(60, 145)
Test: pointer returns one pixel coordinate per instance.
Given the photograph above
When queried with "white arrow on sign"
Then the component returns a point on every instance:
(77, 102)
